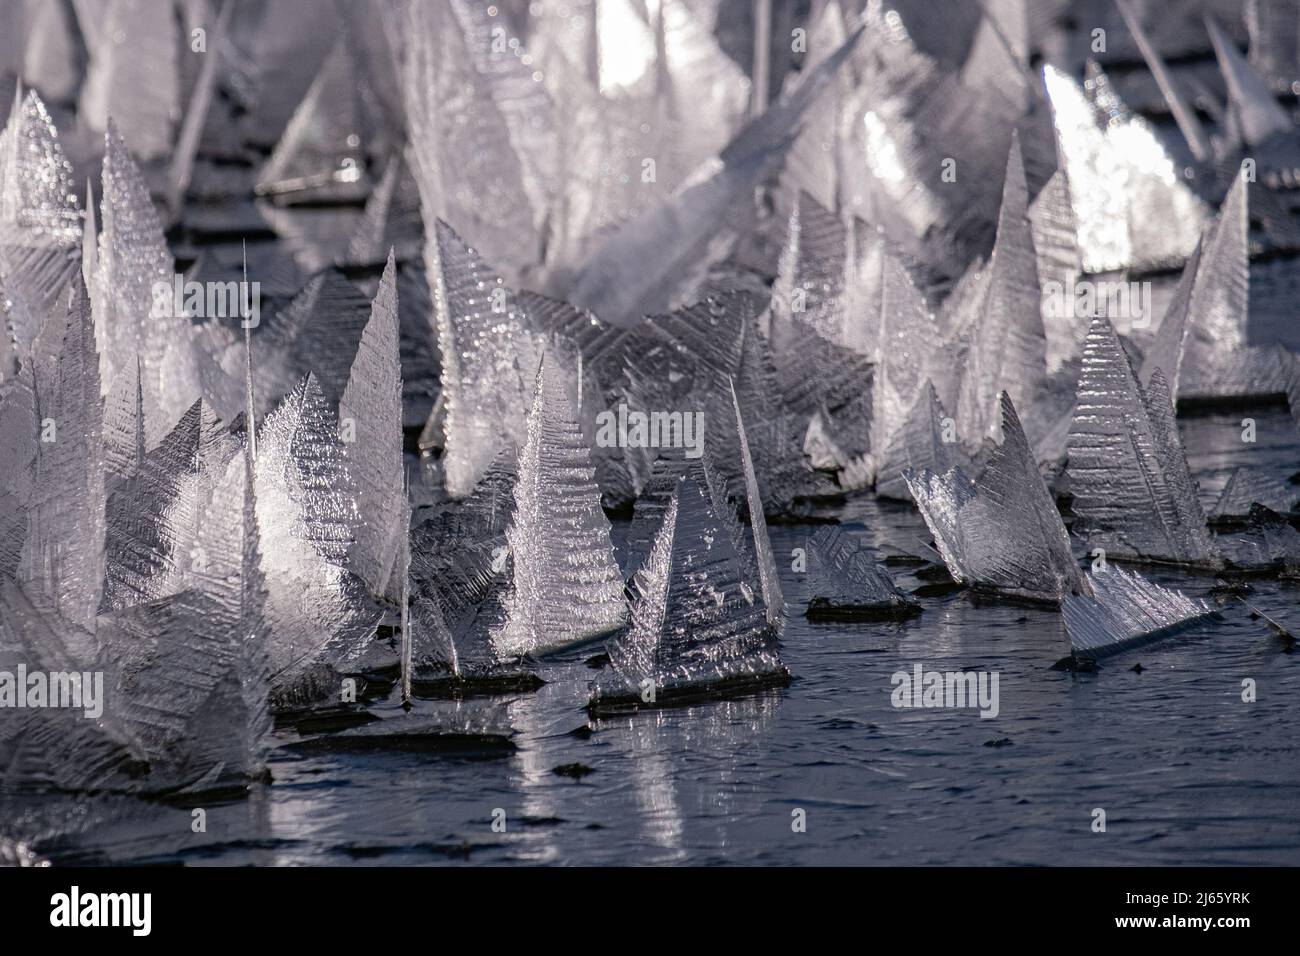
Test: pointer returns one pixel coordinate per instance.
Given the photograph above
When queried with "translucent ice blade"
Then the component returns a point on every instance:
(906, 337)
(653, 262)
(153, 518)
(843, 575)
(306, 510)
(321, 155)
(1184, 114)
(1248, 486)
(567, 587)
(1123, 607)
(1133, 208)
(1056, 241)
(1008, 346)
(64, 557)
(372, 403)
(124, 431)
(810, 281)
(773, 602)
(468, 166)
(1169, 345)
(38, 202)
(925, 441)
(1128, 474)
(693, 620)
(488, 358)
(134, 76)
(1258, 115)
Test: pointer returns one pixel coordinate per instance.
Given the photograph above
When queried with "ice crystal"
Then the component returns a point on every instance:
(844, 582)
(1123, 607)
(1247, 487)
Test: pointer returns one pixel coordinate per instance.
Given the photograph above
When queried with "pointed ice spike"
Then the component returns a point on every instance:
(1056, 241)
(467, 162)
(567, 588)
(905, 338)
(1246, 487)
(321, 155)
(1008, 346)
(1133, 208)
(811, 273)
(846, 584)
(1184, 115)
(1122, 609)
(694, 622)
(152, 518)
(306, 510)
(133, 261)
(38, 202)
(1168, 347)
(372, 404)
(773, 603)
(1258, 115)
(64, 557)
(655, 261)
(925, 442)
(1002, 532)
(181, 168)
(134, 75)
(404, 569)
(1132, 488)
(488, 358)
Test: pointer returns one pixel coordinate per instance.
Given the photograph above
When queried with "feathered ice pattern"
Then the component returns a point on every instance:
(1002, 532)
(567, 587)
(926, 441)
(489, 358)
(693, 620)
(1123, 607)
(1246, 487)
(372, 406)
(1133, 492)
(845, 581)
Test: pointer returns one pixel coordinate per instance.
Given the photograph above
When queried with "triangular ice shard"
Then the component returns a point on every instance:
(1248, 486)
(1256, 114)
(306, 510)
(64, 557)
(489, 358)
(38, 201)
(124, 431)
(567, 588)
(927, 441)
(846, 584)
(1133, 492)
(153, 517)
(18, 440)
(1002, 532)
(811, 273)
(1123, 608)
(372, 406)
(773, 603)
(696, 628)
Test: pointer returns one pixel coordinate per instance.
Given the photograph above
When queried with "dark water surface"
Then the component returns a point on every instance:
(1186, 772)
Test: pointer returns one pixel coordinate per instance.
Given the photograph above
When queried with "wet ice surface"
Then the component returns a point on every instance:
(1187, 772)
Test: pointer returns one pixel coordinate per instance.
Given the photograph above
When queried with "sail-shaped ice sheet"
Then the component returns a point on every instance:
(133, 260)
(306, 510)
(1249, 486)
(1256, 115)
(1122, 609)
(63, 562)
(812, 271)
(321, 156)
(567, 588)
(773, 602)
(40, 221)
(1133, 492)
(372, 407)
(465, 108)
(927, 440)
(656, 261)
(134, 75)
(1002, 532)
(18, 438)
(844, 582)
(1133, 208)
(1006, 345)
(153, 517)
(124, 432)
(695, 627)
(489, 358)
